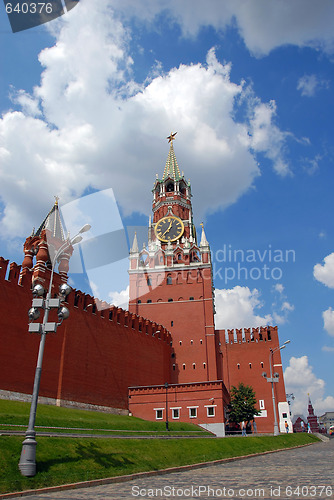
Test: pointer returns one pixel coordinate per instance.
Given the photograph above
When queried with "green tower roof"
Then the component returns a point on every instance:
(171, 168)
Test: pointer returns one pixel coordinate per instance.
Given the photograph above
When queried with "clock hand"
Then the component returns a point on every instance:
(170, 225)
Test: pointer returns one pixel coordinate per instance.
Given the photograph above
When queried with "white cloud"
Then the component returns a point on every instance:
(279, 287)
(301, 381)
(327, 348)
(120, 299)
(266, 137)
(286, 306)
(328, 317)
(236, 308)
(100, 129)
(29, 104)
(310, 84)
(281, 306)
(325, 273)
(263, 25)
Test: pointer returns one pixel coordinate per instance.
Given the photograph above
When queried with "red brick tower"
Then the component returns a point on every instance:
(171, 281)
(43, 244)
(311, 418)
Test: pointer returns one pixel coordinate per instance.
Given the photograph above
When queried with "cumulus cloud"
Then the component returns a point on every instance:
(328, 317)
(120, 299)
(301, 381)
(266, 137)
(89, 125)
(325, 273)
(236, 308)
(281, 306)
(310, 84)
(263, 25)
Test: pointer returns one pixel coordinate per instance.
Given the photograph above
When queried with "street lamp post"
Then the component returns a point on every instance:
(166, 387)
(27, 463)
(274, 378)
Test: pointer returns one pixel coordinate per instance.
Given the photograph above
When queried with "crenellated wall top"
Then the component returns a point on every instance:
(89, 305)
(249, 335)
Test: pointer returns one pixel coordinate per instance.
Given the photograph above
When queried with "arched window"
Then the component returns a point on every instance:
(169, 279)
(149, 281)
(170, 187)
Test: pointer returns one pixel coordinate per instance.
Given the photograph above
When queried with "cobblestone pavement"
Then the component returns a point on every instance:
(299, 473)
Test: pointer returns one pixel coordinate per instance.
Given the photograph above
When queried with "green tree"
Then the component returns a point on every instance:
(243, 402)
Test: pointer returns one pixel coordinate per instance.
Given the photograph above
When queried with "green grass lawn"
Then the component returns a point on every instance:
(13, 413)
(66, 460)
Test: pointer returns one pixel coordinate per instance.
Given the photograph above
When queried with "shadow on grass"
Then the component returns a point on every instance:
(89, 451)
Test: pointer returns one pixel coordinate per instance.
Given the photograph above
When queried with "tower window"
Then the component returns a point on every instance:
(184, 366)
(180, 342)
(172, 323)
(149, 282)
(194, 366)
(170, 300)
(250, 365)
(238, 365)
(149, 301)
(174, 367)
(201, 341)
(191, 342)
(179, 256)
(261, 364)
(169, 279)
(170, 187)
(191, 298)
(204, 365)
(139, 302)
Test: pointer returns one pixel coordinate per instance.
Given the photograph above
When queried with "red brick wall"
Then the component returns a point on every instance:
(241, 360)
(92, 358)
(190, 322)
(143, 401)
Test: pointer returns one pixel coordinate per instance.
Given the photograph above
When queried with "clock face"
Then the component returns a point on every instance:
(169, 228)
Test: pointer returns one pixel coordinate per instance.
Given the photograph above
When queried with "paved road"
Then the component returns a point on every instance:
(300, 473)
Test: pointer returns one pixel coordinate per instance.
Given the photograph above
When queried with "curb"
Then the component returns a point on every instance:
(139, 475)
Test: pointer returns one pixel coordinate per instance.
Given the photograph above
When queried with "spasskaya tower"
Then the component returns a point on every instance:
(171, 279)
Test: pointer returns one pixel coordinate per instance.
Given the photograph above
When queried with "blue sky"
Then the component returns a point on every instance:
(88, 100)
